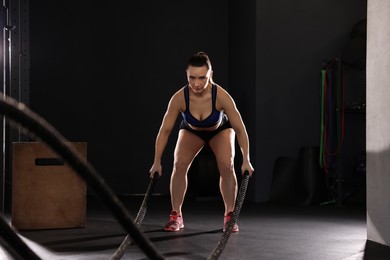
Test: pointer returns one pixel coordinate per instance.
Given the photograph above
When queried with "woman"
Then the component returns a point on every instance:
(209, 116)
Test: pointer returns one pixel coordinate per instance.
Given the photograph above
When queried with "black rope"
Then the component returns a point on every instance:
(13, 244)
(236, 212)
(138, 219)
(36, 125)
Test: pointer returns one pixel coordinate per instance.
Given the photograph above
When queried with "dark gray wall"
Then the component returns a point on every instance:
(293, 38)
(103, 72)
(242, 74)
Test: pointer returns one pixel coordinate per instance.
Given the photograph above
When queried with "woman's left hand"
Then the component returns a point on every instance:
(247, 166)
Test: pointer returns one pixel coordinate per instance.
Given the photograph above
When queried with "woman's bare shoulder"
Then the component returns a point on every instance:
(222, 93)
(177, 99)
(179, 94)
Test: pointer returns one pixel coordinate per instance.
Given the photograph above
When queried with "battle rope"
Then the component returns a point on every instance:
(226, 234)
(138, 220)
(36, 125)
(14, 244)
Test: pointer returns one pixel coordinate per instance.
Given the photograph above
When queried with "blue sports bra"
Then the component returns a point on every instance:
(211, 120)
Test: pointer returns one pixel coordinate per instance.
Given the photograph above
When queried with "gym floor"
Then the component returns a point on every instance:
(267, 231)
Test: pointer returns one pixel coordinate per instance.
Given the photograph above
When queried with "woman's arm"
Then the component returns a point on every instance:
(166, 127)
(226, 102)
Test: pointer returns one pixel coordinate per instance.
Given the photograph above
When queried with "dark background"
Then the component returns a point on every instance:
(103, 73)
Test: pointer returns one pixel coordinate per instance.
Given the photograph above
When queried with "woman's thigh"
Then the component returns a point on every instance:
(223, 146)
(187, 147)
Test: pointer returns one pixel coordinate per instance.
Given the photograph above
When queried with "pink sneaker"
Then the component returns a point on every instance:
(226, 220)
(175, 222)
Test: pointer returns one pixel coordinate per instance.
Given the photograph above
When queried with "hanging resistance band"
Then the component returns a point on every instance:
(332, 101)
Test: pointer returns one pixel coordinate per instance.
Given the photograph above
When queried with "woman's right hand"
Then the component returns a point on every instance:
(155, 168)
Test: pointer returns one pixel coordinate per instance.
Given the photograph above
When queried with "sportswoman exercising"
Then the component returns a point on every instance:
(209, 116)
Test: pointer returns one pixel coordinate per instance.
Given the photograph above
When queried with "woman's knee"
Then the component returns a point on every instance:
(180, 167)
(226, 168)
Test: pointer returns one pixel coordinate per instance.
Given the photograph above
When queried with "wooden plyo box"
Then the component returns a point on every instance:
(46, 192)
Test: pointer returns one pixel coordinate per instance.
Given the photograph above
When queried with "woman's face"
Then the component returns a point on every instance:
(198, 78)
